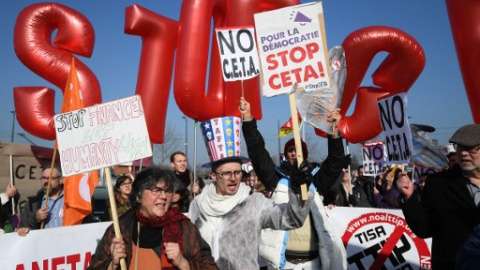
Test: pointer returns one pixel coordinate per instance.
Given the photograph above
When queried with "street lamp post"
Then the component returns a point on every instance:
(13, 125)
(26, 138)
(186, 136)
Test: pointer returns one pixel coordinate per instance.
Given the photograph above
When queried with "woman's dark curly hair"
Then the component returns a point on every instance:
(148, 178)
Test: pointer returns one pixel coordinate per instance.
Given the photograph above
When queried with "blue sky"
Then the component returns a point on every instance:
(437, 98)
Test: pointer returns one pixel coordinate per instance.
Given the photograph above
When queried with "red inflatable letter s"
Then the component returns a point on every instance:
(34, 27)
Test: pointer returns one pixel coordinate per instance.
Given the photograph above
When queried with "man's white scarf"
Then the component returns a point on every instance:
(213, 207)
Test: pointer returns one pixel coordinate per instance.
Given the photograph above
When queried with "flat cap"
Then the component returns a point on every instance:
(468, 135)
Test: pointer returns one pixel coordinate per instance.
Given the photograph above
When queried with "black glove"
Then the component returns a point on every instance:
(300, 175)
(347, 160)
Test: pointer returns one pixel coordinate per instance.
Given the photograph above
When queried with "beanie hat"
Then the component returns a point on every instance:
(291, 143)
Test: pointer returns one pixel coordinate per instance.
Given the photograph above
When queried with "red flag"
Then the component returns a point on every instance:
(287, 128)
(77, 189)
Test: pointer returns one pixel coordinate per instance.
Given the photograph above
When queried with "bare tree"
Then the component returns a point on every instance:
(171, 143)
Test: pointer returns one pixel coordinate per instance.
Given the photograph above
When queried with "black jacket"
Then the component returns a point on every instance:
(325, 180)
(30, 208)
(446, 212)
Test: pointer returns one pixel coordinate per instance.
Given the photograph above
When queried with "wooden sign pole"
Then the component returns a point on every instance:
(113, 206)
(296, 136)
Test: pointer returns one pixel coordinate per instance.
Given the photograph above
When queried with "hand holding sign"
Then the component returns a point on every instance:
(405, 185)
(316, 106)
(293, 52)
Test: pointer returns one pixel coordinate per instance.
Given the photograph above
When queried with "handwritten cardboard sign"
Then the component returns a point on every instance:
(398, 137)
(292, 49)
(102, 135)
(238, 53)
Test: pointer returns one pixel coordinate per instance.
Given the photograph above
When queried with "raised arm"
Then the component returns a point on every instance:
(331, 168)
(261, 161)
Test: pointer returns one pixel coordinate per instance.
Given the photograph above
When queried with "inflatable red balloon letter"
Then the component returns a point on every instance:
(191, 64)
(34, 27)
(159, 36)
(465, 21)
(396, 74)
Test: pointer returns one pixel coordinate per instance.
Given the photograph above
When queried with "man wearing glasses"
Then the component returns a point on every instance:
(448, 209)
(35, 211)
(230, 219)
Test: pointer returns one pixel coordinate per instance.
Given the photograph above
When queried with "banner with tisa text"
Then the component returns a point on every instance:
(396, 130)
(292, 49)
(379, 239)
(238, 53)
(102, 135)
(373, 158)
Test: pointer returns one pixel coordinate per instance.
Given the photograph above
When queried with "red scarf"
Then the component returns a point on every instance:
(171, 229)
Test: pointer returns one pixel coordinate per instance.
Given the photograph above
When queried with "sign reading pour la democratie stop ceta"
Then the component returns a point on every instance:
(102, 135)
(291, 49)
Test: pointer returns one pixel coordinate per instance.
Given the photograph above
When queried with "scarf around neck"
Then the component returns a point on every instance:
(216, 205)
(170, 224)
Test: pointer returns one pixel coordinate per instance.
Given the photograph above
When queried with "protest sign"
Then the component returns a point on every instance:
(373, 158)
(379, 239)
(398, 137)
(292, 49)
(102, 135)
(238, 53)
(418, 171)
(66, 248)
(315, 106)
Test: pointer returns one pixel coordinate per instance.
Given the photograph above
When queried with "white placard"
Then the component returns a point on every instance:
(66, 248)
(238, 53)
(291, 49)
(373, 158)
(398, 137)
(102, 135)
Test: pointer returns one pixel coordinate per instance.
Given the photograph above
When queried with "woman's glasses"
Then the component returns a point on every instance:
(158, 190)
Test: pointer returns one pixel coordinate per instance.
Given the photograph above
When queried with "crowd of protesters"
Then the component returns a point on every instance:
(252, 215)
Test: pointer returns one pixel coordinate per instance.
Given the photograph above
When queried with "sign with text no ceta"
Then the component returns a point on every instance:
(238, 53)
(292, 49)
(396, 130)
(373, 158)
(102, 135)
